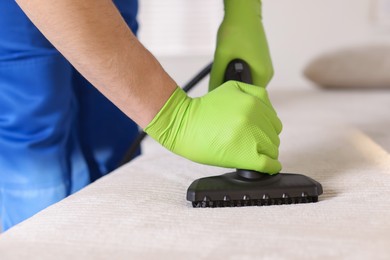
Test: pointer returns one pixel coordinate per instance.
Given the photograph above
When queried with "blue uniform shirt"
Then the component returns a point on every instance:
(57, 132)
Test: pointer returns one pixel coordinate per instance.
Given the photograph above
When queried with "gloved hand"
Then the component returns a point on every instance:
(233, 126)
(241, 35)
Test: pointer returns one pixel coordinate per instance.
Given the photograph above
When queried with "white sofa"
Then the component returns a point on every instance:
(340, 138)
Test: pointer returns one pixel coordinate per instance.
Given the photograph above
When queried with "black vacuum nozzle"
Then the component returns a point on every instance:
(251, 188)
(231, 189)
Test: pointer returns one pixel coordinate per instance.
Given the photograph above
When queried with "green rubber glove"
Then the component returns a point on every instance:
(241, 35)
(233, 126)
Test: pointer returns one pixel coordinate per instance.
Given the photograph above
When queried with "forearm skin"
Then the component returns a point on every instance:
(95, 39)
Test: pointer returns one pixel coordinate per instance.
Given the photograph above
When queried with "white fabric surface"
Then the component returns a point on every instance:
(339, 138)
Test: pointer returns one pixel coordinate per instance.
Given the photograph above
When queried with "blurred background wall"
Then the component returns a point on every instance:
(298, 30)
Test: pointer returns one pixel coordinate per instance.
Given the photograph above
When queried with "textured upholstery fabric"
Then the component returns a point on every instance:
(355, 67)
(140, 212)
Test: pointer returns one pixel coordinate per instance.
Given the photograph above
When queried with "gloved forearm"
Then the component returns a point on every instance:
(237, 9)
(241, 35)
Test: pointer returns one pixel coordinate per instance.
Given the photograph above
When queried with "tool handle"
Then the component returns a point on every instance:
(239, 70)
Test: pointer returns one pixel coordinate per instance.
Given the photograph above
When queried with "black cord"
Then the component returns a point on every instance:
(134, 148)
(198, 77)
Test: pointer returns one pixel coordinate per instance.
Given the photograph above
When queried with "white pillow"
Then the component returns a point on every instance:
(358, 67)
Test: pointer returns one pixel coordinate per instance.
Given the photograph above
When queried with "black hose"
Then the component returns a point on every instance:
(136, 145)
(198, 77)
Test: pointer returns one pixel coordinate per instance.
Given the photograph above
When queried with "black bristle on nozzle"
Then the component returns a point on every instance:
(245, 203)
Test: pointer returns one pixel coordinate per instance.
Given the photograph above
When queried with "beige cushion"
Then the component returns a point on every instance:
(358, 67)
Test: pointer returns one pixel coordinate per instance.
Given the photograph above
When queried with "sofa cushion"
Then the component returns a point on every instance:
(355, 67)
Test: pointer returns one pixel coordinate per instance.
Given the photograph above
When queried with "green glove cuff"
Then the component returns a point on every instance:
(239, 11)
(164, 123)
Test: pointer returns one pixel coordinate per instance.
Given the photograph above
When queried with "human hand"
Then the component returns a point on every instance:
(233, 126)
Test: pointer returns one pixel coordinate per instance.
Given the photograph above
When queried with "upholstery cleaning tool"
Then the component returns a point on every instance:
(251, 188)
(242, 187)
